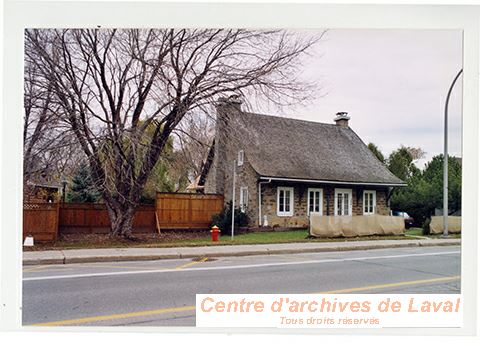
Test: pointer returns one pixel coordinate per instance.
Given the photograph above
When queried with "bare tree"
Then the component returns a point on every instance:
(416, 153)
(49, 147)
(194, 137)
(110, 85)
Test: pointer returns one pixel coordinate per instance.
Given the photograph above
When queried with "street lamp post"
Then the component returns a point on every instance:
(445, 158)
(233, 199)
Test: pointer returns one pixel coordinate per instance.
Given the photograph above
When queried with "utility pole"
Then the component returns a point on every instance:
(233, 198)
(445, 158)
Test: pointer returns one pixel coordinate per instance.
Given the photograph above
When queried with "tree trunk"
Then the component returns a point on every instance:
(121, 219)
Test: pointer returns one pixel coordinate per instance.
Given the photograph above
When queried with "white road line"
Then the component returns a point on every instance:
(249, 266)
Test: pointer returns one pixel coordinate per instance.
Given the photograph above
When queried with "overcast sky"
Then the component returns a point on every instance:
(393, 84)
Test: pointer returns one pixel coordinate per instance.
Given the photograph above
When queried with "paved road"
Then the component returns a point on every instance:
(162, 293)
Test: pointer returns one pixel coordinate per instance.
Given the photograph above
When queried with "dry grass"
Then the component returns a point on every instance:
(189, 239)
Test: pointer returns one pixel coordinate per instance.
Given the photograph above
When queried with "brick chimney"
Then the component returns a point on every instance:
(341, 119)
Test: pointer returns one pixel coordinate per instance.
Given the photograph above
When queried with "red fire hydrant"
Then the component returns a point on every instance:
(215, 232)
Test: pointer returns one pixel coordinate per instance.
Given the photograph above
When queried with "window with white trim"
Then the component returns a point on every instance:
(285, 201)
(243, 198)
(343, 202)
(369, 202)
(240, 158)
(315, 201)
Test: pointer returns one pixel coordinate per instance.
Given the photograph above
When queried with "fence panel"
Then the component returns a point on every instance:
(40, 220)
(93, 219)
(174, 211)
(187, 211)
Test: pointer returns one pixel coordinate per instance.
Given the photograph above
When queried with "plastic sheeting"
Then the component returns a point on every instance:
(351, 226)
(454, 224)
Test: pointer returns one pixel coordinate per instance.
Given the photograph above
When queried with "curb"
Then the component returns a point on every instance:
(118, 258)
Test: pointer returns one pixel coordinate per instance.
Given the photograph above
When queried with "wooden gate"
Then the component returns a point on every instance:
(187, 211)
(40, 220)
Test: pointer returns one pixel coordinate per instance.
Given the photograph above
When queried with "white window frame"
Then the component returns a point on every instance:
(285, 213)
(240, 157)
(335, 200)
(374, 195)
(243, 200)
(320, 212)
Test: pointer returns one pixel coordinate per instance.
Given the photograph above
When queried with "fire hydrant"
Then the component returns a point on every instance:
(215, 232)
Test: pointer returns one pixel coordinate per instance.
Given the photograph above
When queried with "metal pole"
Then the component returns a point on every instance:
(445, 157)
(233, 198)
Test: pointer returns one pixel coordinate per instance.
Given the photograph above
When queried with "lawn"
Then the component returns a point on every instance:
(194, 239)
(419, 232)
(414, 231)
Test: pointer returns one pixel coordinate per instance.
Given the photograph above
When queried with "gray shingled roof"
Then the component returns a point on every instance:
(289, 148)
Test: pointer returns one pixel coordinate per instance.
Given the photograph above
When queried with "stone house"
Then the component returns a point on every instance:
(287, 168)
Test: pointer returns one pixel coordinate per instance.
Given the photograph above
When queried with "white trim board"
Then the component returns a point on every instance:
(328, 181)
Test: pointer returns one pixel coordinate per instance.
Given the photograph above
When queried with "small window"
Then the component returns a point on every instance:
(241, 156)
(285, 201)
(243, 198)
(315, 201)
(369, 202)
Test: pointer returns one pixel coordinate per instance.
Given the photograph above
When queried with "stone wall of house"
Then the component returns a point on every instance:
(269, 206)
(247, 177)
(383, 207)
(214, 181)
(210, 180)
(220, 177)
(300, 203)
(226, 148)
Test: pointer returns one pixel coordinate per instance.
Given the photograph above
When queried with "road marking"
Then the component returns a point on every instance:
(116, 316)
(232, 267)
(134, 267)
(192, 308)
(191, 263)
(290, 257)
(390, 285)
(48, 270)
(35, 268)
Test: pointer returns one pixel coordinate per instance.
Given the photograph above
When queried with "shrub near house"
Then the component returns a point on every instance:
(223, 220)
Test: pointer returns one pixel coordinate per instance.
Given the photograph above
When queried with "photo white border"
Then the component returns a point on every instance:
(19, 15)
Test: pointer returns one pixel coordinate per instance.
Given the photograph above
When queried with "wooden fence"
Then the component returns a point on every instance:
(93, 219)
(44, 221)
(40, 220)
(187, 211)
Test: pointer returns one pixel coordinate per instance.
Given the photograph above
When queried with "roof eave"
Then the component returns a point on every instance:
(318, 181)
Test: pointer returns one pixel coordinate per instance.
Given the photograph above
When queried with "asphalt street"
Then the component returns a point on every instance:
(162, 292)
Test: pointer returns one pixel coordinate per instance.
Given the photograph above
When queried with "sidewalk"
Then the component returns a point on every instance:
(129, 254)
